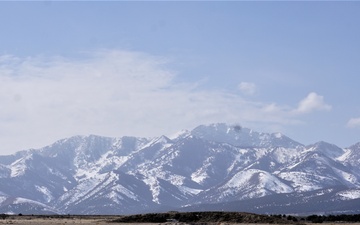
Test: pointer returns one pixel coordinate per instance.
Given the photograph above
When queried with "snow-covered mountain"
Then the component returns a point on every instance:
(212, 167)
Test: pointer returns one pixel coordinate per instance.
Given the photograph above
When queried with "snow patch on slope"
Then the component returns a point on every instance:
(119, 190)
(348, 178)
(253, 183)
(19, 167)
(349, 194)
(45, 191)
(300, 181)
(187, 190)
(201, 175)
(153, 183)
(260, 178)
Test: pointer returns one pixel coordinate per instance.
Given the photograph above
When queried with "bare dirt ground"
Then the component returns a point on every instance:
(34, 220)
(94, 221)
(91, 222)
(101, 220)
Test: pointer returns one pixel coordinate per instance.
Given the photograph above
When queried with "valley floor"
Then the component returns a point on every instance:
(101, 221)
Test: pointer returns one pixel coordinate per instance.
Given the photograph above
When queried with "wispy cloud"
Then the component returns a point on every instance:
(353, 122)
(116, 93)
(247, 88)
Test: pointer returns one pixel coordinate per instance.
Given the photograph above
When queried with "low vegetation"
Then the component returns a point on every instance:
(334, 218)
(187, 218)
(201, 217)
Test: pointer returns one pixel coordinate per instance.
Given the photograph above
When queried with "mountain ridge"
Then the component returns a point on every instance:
(211, 164)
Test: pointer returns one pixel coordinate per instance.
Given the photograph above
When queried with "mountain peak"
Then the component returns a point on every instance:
(180, 134)
(241, 136)
(326, 148)
(277, 135)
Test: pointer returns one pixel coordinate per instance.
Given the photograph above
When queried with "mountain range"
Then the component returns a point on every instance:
(212, 167)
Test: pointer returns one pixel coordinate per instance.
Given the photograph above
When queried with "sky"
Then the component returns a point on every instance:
(147, 69)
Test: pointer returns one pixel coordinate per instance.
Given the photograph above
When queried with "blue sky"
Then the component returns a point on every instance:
(152, 68)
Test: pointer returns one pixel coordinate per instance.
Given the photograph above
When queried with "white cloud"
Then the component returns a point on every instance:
(116, 93)
(312, 102)
(247, 88)
(354, 122)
